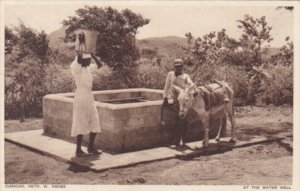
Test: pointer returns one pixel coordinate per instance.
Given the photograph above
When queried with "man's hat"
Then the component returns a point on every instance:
(178, 62)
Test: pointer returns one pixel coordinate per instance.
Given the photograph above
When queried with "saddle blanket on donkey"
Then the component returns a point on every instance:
(213, 94)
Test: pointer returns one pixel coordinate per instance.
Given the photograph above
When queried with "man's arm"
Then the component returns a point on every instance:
(167, 85)
(189, 81)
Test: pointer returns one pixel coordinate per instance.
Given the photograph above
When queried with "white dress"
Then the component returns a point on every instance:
(85, 115)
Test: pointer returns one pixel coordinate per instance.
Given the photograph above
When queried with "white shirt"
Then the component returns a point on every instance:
(183, 81)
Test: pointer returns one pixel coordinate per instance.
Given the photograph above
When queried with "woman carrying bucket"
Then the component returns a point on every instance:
(85, 115)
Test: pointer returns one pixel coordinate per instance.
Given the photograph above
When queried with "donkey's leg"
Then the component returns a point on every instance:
(222, 125)
(229, 110)
(184, 131)
(206, 129)
(233, 128)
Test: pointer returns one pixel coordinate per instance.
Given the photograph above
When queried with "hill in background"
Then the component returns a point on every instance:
(56, 43)
(164, 47)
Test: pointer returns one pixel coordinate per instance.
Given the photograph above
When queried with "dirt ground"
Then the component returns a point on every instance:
(263, 164)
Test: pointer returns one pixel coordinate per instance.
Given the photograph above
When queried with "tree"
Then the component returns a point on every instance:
(216, 55)
(210, 51)
(213, 48)
(287, 52)
(26, 85)
(190, 38)
(116, 42)
(255, 38)
(29, 42)
(10, 40)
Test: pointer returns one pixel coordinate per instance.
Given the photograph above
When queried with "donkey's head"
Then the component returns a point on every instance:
(185, 99)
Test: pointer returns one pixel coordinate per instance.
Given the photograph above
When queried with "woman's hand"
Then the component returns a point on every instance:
(79, 59)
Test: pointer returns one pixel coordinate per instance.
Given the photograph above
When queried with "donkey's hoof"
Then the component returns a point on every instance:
(232, 141)
(205, 143)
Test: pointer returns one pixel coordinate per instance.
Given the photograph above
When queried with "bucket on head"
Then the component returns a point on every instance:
(90, 40)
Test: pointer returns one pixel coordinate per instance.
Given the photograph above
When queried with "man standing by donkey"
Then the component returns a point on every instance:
(182, 80)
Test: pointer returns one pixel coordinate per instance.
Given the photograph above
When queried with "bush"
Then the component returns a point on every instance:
(150, 75)
(32, 71)
(278, 89)
(234, 75)
(24, 89)
(59, 79)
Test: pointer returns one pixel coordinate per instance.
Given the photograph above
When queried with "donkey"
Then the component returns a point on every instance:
(196, 98)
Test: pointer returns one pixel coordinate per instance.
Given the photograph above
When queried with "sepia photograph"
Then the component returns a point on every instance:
(145, 95)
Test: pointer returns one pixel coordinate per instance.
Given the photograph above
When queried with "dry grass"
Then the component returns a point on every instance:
(252, 165)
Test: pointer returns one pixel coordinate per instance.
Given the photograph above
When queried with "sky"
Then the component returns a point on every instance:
(165, 19)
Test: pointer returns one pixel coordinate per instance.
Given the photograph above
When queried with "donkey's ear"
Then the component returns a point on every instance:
(195, 93)
(192, 90)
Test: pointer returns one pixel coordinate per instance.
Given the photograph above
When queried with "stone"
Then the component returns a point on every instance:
(65, 151)
(125, 126)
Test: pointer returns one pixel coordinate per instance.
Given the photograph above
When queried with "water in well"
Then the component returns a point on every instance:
(123, 101)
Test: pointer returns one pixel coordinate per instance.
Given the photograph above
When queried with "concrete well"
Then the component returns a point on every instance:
(129, 118)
